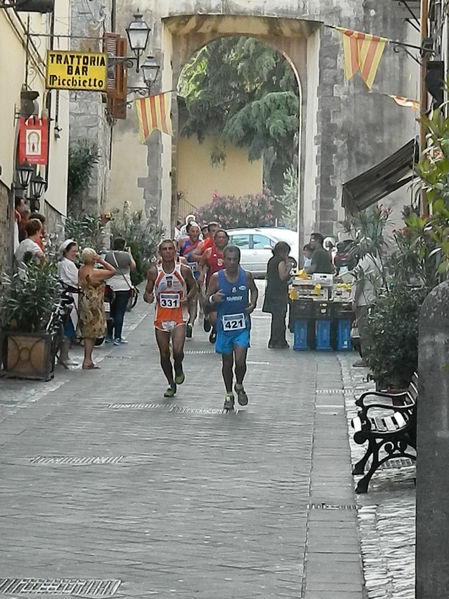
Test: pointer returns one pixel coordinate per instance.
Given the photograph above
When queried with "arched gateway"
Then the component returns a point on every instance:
(343, 129)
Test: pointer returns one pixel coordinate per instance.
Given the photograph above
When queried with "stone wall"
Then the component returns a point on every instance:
(6, 228)
(88, 118)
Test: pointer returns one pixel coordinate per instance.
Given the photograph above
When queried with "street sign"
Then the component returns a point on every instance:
(80, 71)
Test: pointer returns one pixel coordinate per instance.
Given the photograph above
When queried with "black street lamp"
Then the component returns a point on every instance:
(37, 188)
(138, 32)
(24, 173)
(150, 69)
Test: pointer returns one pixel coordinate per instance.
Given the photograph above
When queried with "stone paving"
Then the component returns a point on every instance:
(386, 513)
(104, 479)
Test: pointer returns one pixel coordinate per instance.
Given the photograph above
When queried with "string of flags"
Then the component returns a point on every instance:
(361, 52)
(405, 102)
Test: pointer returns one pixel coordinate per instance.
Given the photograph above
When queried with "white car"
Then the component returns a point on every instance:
(256, 246)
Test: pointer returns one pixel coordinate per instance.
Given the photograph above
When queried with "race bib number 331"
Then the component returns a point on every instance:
(169, 300)
(234, 322)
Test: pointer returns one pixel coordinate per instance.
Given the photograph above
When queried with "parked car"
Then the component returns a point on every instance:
(256, 246)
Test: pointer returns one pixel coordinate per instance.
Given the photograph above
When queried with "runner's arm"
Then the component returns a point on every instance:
(197, 253)
(254, 292)
(186, 272)
(213, 294)
(202, 266)
(148, 295)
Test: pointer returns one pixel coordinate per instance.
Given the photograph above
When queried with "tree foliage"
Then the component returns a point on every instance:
(245, 93)
(83, 155)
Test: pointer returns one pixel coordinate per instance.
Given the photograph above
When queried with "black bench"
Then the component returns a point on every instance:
(388, 423)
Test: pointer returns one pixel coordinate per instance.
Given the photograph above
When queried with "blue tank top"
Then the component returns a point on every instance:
(187, 251)
(231, 315)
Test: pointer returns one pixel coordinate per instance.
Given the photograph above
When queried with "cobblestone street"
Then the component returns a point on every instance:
(104, 479)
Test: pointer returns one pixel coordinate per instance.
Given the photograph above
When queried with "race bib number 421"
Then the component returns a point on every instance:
(234, 322)
(169, 300)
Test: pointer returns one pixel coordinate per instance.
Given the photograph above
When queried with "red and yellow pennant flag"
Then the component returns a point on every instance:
(406, 102)
(154, 113)
(362, 51)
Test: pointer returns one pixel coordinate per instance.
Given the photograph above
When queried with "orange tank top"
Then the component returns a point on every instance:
(170, 289)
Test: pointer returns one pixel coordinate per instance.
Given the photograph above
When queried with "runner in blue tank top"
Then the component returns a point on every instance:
(229, 291)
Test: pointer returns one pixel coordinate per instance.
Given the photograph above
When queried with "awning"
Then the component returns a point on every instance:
(384, 178)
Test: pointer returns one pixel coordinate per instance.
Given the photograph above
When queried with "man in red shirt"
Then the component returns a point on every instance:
(209, 241)
(211, 262)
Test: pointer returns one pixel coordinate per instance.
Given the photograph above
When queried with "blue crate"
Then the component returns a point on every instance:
(323, 335)
(300, 335)
(344, 335)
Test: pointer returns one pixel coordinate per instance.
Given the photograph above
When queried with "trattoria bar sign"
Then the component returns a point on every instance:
(80, 71)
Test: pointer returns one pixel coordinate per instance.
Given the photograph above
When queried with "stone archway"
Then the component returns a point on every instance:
(294, 39)
(345, 130)
(192, 36)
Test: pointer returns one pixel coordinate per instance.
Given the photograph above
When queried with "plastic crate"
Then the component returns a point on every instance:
(300, 338)
(343, 310)
(344, 335)
(302, 309)
(323, 335)
(322, 310)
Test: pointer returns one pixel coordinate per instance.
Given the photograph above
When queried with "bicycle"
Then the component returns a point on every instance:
(55, 326)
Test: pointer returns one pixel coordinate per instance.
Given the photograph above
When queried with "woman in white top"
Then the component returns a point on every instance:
(29, 249)
(120, 283)
(68, 275)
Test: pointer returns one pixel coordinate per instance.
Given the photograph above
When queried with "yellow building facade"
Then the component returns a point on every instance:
(24, 40)
(198, 178)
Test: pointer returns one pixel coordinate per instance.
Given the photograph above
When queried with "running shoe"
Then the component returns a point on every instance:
(179, 377)
(242, 398)
(228, 402)
(170, 392)
(189, 330)
(206, 325)
(212, 335)
(108, 339)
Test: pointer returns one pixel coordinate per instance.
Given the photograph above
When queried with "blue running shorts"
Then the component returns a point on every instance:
(226, 341)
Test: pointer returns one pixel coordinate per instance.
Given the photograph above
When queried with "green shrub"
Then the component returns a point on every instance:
(27, 301)
(142, 234)
(258, 210)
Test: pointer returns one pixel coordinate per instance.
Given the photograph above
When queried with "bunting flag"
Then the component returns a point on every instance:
(406, 102)
(362, 51)
(154, 113)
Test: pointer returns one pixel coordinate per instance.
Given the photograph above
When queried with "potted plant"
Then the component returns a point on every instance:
(26, 302)
(393, 327)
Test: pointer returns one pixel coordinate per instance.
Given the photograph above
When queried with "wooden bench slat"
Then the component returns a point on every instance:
(390, 424)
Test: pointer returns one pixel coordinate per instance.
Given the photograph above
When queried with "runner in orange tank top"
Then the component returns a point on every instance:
(172, 285)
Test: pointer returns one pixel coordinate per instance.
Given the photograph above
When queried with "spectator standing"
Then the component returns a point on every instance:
(120, 283)
(307, 251)
(68, 275)
(92, 319)
(26, 214)
(366, 272)
(19, 207)
(41, 218)
(276, 294)
(30, 248)
(321, 260)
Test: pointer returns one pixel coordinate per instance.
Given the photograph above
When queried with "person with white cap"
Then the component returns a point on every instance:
(68, 275)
